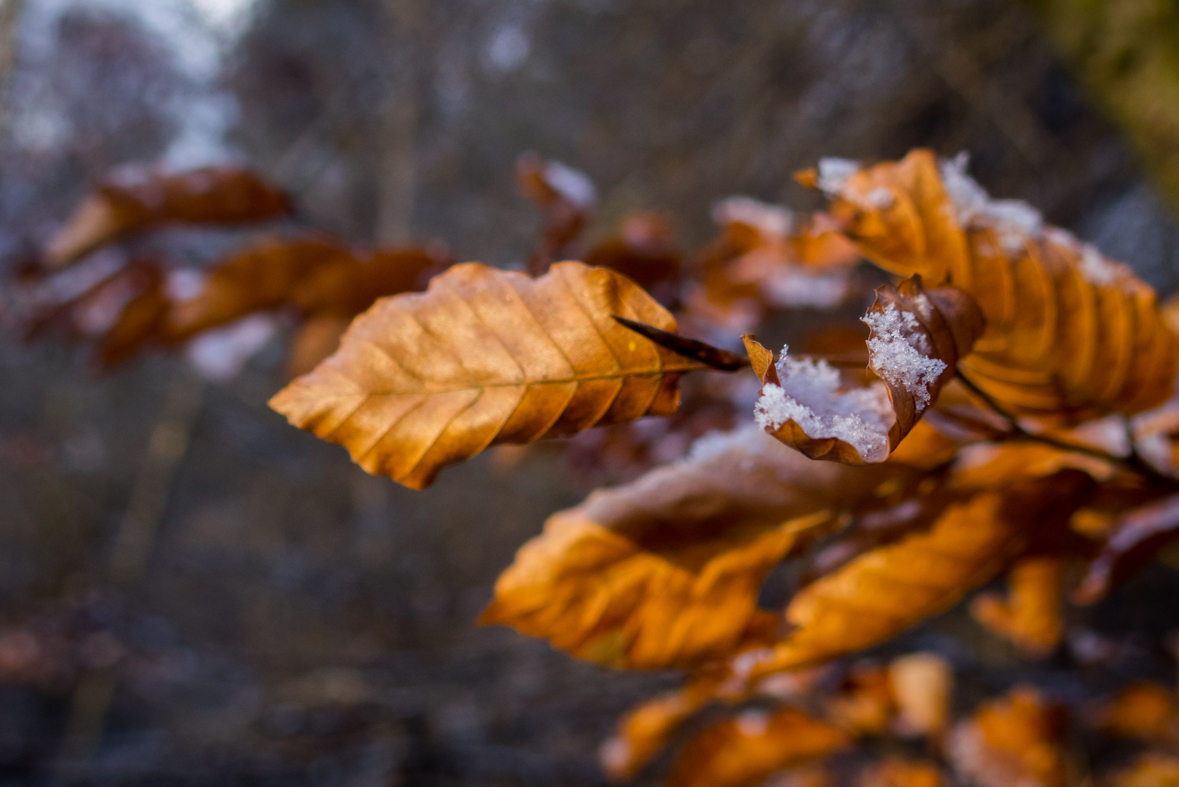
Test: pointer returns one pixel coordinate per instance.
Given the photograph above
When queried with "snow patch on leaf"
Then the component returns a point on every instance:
(1014, 221)
(810, 396)
(771, 220)
(899, 351)
(834, 174)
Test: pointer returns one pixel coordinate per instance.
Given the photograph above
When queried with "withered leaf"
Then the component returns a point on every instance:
(917, 338)
(885, 591)
(484, 357)
(137, 198)
(1040, 289)
(642, 251)
(1137, 538)
(922, 687)
(1141, 710)
(1030, 617)
(1014, 740)
(1152, 769)
(666, 570)
(567, 197)
(746, 749)
(897, 772)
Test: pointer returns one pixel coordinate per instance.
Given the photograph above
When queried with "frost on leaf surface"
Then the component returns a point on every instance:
(900, 352)
(1015, 222)
(809, 395)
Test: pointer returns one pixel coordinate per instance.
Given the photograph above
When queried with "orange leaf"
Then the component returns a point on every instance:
(315, 340)
(896, 772)
(1152, 769)
(642, 251)
(1040, 289)
(883, 592)
(922, 687)
(1014, 740)
(666, 570)
(746, 749)
(1031, 615)
(1141, 710)
(917, 338)
(139, 198)
(484, 357)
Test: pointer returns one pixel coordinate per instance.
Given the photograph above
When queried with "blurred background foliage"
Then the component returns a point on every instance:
(192, 592)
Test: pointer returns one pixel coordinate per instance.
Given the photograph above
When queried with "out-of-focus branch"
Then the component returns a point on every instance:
(1126, 53)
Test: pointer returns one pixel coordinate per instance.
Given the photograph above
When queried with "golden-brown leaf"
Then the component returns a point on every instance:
(1030, 616)
(897, 772)
(139, 198)
(568, 199)
(1014, 740)
(1153, 769)
(1040, 289)
(1141, 710)
(917, 338)
(483, 357)
(1138, 537)
(885, 591)
(642, 251)
(313, 342)
(666, 570)
(748, 748)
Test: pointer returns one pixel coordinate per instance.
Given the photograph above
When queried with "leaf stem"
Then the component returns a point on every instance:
(1133, 461)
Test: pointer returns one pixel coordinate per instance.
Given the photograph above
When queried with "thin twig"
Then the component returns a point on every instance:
(1132, 462)
(703, 352)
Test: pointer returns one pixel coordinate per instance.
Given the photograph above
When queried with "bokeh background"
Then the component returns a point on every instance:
(288, 619)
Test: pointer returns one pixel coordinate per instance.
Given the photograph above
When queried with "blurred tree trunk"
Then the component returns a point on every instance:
(9, 22)
(1126, 52)
(406, 25)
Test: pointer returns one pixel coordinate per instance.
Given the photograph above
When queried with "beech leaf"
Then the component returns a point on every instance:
(1040, 289)
(1014, 740)
(665, 571)
(917, 338)
(1030, 617)
(746, 749)
(137, 198)
(486, 356)
(1137, 538)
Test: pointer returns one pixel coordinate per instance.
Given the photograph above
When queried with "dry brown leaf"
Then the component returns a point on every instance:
(923, 688)
(260, 277)
(1030, 616)
(642, 251)
(1140, 710)
(346, 285)
(864, 703)
(484, 357)
(917, 338)
(1040, 289)
(746, 749)
(897, 772)
(648, 727)
(666, 570)
(1014, 741)
(140, 319)
(1153, 769)
(882, 593)
(568, 199)
(1137, 538)
(138, 198)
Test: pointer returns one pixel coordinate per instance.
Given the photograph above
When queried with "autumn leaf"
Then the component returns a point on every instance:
(1140, 710)
(642, 251)
(1014, 740)
(1039, 288)
(885, 591)
(484, 357)
(1138, 537)
(344, 285)
(1030, 617)
(916, 339)
(666, 570)
(1152, 769)
(746, 749)
(138, 198)
(567, 197)
(897, 772)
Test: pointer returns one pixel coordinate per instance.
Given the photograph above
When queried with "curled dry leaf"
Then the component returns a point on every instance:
(1137, 538)
(1040, 289)
(138, 198)
(1014, 741)
(567, 197)
(864, 704)
(484, 357)
(917, 338)
(882, 593)
(922, 687)
(1030, 616)
(666, 571)
(746, 749)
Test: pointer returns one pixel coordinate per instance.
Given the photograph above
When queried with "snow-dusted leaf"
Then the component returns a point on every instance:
(916, 339)
(666, 571)
(1068, 332)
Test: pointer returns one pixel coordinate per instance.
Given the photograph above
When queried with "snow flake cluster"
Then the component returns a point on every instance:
(900, 353)
(810, 396)
(1014, 221)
